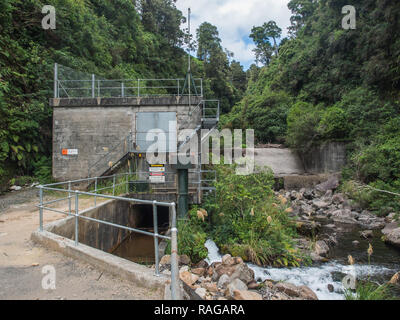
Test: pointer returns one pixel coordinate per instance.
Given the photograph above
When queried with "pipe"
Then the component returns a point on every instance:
(174, 257)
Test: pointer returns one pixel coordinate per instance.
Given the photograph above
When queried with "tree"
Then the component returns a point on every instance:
(208, 41)
(302, 10)
(261, 37)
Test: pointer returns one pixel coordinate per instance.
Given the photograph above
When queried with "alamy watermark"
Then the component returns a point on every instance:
(349, 21)
(193, 147)
(49, 21)
(49, 280)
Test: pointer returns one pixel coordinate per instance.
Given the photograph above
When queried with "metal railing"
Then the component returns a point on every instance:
(73, 195)
(96, 87)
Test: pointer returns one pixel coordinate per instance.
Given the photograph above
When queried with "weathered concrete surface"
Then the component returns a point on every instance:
(283, 162)
(137, 274)
(328, 158)
(21, 262)
(97, 126)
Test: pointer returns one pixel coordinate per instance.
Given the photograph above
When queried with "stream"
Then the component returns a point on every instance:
(385, 262)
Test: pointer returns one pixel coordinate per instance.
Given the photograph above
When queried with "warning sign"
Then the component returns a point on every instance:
(157, 173)
(69, 152)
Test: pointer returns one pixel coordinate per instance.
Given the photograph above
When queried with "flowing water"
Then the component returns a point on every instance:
(384, 263)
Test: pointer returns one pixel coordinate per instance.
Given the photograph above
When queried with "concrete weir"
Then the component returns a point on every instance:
(109, 248)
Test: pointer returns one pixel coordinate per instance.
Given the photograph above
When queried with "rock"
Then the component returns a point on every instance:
(15, 188)
(367, 234)
(210, 271)
(308, 228)
(246, 295)
(317, 258)
(184, 259)
(184, 268)
(355, 243)
(306, 293)
(223, 281)
(393, 237)
(227, 260)
(165, 260)
(390, 227)
(222, 299)
(331, 184)
(244, 273)
(320, 204)
(343, 216)
(287, 288)
(280, 296)
(236, 284)
(199, 271)
(390, 217)
(338, 198)
(201, 264)
(202, 293)
(211, 286)
(269, 284)
(331, 288)
(188, 277)
(321, 248)
(253, 285)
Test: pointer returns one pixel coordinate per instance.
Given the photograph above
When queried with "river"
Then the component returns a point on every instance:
(384, 263)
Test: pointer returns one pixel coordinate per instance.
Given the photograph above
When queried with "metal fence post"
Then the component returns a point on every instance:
(93, 81)
(98, 88)
(41, 208)
(122, 90)
(95, 191)
(69, 198)
(174, 257)
(114, 185)
(76, 218)
(178, 87)
(56, 81)
(155, 223)
(138, 88)
(127, 183)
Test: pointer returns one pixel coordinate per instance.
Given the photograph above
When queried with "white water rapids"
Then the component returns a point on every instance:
(316, 278)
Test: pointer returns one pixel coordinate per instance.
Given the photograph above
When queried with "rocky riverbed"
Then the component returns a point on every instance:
(331, 227)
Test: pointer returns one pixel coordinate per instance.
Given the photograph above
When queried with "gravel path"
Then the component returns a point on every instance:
(22, 262)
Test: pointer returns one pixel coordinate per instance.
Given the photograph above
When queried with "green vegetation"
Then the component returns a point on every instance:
(329, 84)
(112, 39)
(247, 220)
(367, 290)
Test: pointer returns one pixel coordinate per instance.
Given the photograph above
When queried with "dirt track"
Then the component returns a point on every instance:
(21, 261)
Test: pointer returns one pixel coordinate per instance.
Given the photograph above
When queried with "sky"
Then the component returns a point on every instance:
(235, 19)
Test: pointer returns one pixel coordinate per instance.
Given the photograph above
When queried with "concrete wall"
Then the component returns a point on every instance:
(328, 158)
(96, 126)
(105, 237)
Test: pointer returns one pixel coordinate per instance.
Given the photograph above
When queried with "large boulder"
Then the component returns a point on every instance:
(393, 237)
(223, 281)
(246, 295)
(331, 184)
(188, 277)
(235, 285)
(306, 293)
(243, 272)
(308, 228)
(301, 292)
(236, 271)
(321, 248)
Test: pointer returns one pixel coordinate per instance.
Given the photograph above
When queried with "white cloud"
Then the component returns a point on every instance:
(235, 18)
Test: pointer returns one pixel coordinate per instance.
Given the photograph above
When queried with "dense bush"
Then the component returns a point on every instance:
(248, 221)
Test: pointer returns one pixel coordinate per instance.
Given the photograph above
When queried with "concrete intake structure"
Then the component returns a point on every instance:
(87, 132)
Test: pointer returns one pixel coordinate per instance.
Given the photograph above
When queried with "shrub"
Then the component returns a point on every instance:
(248, 221)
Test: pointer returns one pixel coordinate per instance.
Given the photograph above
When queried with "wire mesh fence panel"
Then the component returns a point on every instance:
(70, 83)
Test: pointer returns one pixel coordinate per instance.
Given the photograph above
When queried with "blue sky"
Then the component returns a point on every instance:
(235, 18)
